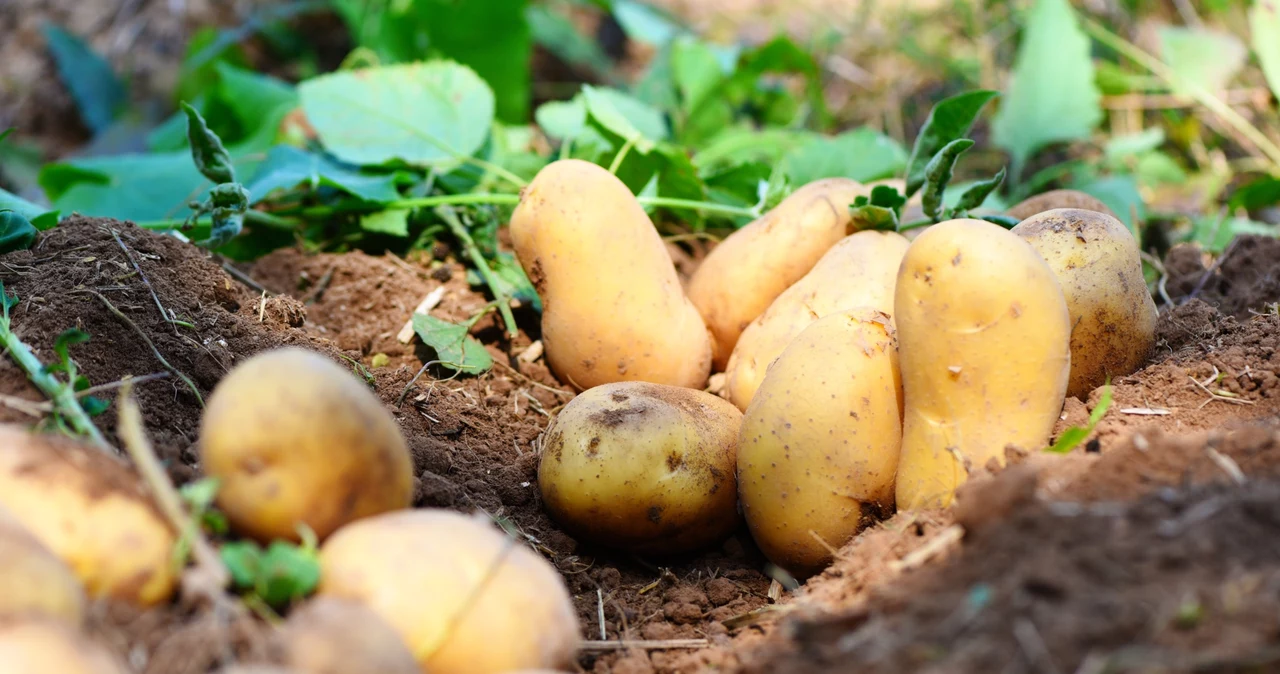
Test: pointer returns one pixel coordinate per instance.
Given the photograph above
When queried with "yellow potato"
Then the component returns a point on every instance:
(51, 647)
(859, 271)
(1113, 318)
(643, 468)
(92, 512)
(33, 581)
(328, 635)
(613, 307)
(984, 346)
(296, 439)
(742, 275)
(820, 441)
(466, 598)
(1052, 199)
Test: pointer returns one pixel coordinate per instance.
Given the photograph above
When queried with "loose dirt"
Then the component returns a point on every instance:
(1138, 547)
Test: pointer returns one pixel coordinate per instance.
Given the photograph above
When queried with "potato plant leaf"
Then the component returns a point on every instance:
(454, 348)
(16, 231)
(937, 174)
(1208, 59)
(1264, 24)
(286, 167)
(977, 193)
(862, 154)
(211, 158)
(1008, 222)
(1073, 436)
(279, 575)
(98, 93)
(949, 120)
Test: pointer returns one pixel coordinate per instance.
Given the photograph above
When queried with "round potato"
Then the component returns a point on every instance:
(328, 635)
(463, 596)
(984, 347)
(1053, 199)
(859, 271)
(644, 468)
(51, 647)
(613, 307)
(296, 439)
(743, 275)
(820, 441)
(1113, 318)
(92, 512)
(33, 581)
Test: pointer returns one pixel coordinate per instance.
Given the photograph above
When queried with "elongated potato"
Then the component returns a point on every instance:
(642, 467)
(743, 275)
(613, 307)
(859, 271)
(984, 345)
(33, 581)
(820, 441)
(1054, 199)
(51, 647)
(1113, 318)
(92, 512)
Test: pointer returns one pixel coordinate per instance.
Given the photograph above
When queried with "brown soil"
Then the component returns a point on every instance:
(1020, 575)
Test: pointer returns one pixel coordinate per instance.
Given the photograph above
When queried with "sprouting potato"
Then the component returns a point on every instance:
(643, 468)
(33, 581)
(92, 512)
(820, 440)
(747, 271)
(295, 439)
(984, 347)
(1053, 199)
(328, 635)
(860, 270)
(51, 647)
(613, 306)
(1113, 318)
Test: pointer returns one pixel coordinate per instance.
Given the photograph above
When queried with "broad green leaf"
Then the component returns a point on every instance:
(643, 23)
(625, 116)
(1073, 436)
(1264, 24)
(782, 56)
(1205, 58)
(1052, 96)
(254, 98)
(1214, 233)
(453, 346)
(429, 114)
(949, 120)
(16, 232)
(739, 184)
(198, 73)
(1260, 193)
(937, 175)
(97, 91)
(243, 559)
(286, 573)
(12, 202)
(1118, 147)
(287, 167)
(862, 154)
(1120, 194)
(493, 39)
(698, 75)
(557, 34)
(561, 119)
(392, 221)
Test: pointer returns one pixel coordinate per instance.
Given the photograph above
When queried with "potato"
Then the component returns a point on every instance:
(92, 512)
(328, 635)
(984, 346)
(612, 305)
(860, 270)
(296, 439)
(820, 441)
(743, 275)
(33, 581)
(466, 598)
(51, 647)
(1054, 199)
(1113, 318)
(643, 468)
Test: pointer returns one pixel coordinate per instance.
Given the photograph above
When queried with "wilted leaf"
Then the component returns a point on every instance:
(937, 175)
(949, 120)
(211, 158)
(453, 346)
(976, 194)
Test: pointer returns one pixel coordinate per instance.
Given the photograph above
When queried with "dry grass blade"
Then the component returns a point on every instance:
(156, 352)
(643, 644)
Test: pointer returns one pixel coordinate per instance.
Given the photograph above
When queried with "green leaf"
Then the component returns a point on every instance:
(874, 217)
(741, 145)
(393, 221)
(698, 75)
(211, 158)
(12, 202)
(1264, 24)
(16, 232)
(949, 120)
(252, 97)
(1120, 194)
(1260, 193)
(286, 573)
(862, 154)
(97, 91)
(1005, 221)
(782, 56)
(93, 405)
(1073, 436)
(206, 49)
(199, 494)
(286, 167)
(557, 34)
(624, 116)
(1205, 58)
(512, 281)
(1052, 96)
(244, 560)
(1214, 233)
(644, 23)
(453, 346)
(977, 193)
(492, 38)
(1130, 145)
(66, 339)
(937, 174)
(429, 114)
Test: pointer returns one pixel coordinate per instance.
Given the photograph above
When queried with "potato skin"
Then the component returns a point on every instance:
(860, 270)
(50, 647)
(1054, 199)
(643, 468)
(1113, 318)
(613, 306)
(328, 635)
(297, 439)
(33, 581)
(743, 275)
(820, 440)
(92, 512)
(421, 571)
(984, 346)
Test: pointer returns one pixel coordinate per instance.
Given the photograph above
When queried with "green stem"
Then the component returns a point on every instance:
(451, 199)
(482, 266)
(915, 224)
(704, 206)
(622, 154)
(251, 216)
(501, 172)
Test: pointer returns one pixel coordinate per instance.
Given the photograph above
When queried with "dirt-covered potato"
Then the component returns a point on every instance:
(51, 647)
(296, 439)
(328, 635)
(1113, 318)
(984, 347)
(747, 271)
(1048, 201)
(92, 512)
(33, 581)
(465, 597)
(820, 440)
(643, 468)
(613, 306)
(859, 271)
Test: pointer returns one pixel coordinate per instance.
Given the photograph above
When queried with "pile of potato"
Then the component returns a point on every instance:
(871, 372)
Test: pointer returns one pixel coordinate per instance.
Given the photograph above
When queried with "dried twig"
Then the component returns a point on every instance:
(156, 352)
(643, 644)
(129, 254)
(245, 278)
(939, 543)
(428, 303)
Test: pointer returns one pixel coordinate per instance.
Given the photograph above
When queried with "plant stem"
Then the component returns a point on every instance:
(704, 206)
(501, 172)
(449, 199)
(250, 216)
(622, 154)
(482, 266)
